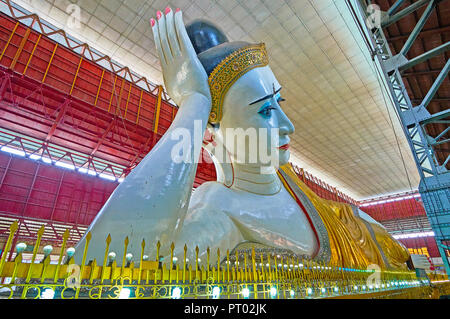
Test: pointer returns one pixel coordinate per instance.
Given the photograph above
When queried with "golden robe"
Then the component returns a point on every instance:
(352, 241)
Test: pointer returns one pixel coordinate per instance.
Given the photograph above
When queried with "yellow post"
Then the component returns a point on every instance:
(76, 75)
(83, 261)
(32, 53)
(255, 285)
(158, 109)
(19, 50)
(120, 96)
(33, 258)
(12, 231)
(105, 262)
(128, 100)
(99, 87)
(35, 250)
(158, 246)
(228, 265)
(184, 264)
(61, 253)
(196, 262)
(139, 107)
(125, 246)
(45, 264)
(141, 259)
(218, 265)
(93, 267)
(49, 63)
(263, 273)
(190, 273)
(245, 267)
(270, 268)
(172, 247)
(207, 261)
(237, 260)
(112, 93)
(9, 40)
(17, 262)
(276, 267)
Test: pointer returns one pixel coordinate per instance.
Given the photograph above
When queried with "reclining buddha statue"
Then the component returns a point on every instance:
(220, 86)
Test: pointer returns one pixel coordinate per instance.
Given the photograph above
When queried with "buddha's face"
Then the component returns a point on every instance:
(252, 106)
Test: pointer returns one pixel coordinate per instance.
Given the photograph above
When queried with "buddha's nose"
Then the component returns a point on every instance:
(286, 126)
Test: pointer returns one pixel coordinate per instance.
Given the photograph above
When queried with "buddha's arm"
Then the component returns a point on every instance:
(152, 201)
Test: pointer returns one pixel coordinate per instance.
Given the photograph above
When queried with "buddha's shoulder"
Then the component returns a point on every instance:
(209, 194)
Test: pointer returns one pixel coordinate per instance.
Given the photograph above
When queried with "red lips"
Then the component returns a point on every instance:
(284, 147)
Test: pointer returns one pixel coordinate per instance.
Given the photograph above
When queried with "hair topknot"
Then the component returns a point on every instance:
(210, 43)
(204, 35)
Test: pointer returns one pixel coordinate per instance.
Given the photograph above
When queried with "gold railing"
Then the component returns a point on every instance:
(249, 276)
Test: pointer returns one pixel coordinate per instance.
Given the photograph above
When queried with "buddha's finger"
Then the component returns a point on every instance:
(155, 30)
(172, 35)
(185, 43)
(163, 37)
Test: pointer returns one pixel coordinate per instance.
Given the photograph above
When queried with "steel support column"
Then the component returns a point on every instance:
(434, 186)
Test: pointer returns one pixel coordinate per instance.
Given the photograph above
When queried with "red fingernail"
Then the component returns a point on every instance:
(167, 10)
(152, 22)
(158, 15)
(178, 9)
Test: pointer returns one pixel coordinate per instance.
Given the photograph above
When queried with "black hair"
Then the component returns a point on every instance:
(210, 43)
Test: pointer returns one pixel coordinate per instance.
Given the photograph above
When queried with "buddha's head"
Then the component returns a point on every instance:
(246, 97)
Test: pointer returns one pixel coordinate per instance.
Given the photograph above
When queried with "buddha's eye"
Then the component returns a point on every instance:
(266, 110)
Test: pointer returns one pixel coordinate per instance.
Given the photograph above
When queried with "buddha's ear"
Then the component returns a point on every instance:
(219, 154)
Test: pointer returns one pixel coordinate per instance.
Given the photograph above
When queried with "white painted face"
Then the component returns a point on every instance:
(253, 105)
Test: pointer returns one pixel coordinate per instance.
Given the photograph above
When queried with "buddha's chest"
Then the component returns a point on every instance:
(280, 206)
(276, 219)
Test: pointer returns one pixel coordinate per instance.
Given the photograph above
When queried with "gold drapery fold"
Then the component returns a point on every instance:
(351, 242)
(396, 253)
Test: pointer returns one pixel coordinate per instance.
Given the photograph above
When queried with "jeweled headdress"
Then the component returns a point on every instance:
(231, 69)
(224, 61)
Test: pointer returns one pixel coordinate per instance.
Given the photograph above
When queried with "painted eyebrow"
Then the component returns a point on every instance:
(266, 97)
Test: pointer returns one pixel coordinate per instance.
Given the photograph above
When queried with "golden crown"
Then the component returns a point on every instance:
(229, 70)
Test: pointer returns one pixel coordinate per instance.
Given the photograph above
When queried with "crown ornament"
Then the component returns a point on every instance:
(229, 70)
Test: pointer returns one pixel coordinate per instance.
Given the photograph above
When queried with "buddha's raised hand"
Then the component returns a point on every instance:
(183, 73)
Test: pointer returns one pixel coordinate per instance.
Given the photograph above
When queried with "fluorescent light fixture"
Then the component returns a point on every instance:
(107, 176)
(35, 157)
(390, 200)
(65, 165)
(12, 151)
(414, 235)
